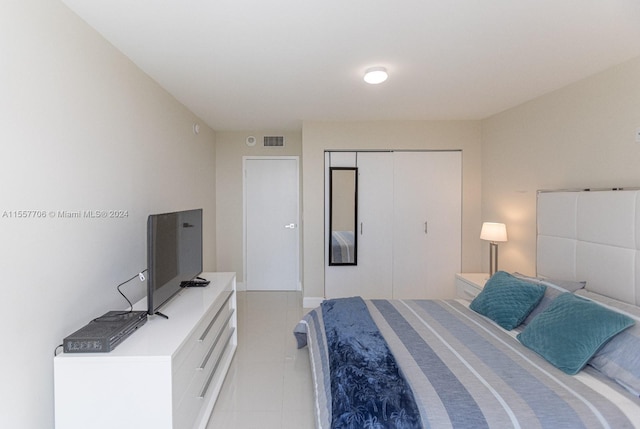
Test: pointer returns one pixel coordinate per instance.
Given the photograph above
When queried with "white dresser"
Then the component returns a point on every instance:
(165, 375)
(469, 285)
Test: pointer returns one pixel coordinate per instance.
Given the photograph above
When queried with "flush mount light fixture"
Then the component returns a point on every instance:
(375, 75)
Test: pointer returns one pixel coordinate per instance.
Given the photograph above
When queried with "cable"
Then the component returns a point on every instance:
(109, 318)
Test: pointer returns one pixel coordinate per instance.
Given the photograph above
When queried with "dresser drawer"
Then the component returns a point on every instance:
(204, 380)
(192, 355)
(467, 291)
(469, 285)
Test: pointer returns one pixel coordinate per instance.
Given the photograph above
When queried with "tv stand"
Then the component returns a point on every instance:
(167, 375)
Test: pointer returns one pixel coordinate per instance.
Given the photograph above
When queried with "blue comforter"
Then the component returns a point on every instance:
(464, 372)
(367, 388)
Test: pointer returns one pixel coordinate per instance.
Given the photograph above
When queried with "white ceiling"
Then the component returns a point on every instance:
(257, 64)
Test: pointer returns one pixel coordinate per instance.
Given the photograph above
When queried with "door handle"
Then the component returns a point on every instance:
(291, 226)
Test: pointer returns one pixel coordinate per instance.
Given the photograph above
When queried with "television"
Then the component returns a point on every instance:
(174, 254)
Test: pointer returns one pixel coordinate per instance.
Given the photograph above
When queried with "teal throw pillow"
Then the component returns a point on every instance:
(507, 300)
(571, 330)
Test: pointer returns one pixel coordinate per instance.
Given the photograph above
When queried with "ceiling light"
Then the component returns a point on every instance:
(375, 75)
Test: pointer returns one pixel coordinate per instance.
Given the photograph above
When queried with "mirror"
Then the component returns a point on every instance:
(343, 212)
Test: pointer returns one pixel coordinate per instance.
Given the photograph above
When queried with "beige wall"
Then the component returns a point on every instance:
(581, 136)
(321, 136)
(81, 128)
(231, 147)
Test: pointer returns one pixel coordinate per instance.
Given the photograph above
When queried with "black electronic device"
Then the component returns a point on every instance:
(197, 282)
(103, 334)
(174, 254)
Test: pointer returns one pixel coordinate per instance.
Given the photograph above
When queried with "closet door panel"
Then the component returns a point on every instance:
(340, 281)
(445, 224)
(375, 226)
(427, 224)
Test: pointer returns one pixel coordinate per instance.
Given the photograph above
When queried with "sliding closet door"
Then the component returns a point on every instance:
(427, 210)
(409, 225)
(375, 229)
(340, 281)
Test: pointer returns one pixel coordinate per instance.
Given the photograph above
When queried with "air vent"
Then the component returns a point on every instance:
(273, 141)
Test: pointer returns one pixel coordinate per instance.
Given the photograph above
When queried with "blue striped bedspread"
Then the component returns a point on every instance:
(342, 247)
(467, 372)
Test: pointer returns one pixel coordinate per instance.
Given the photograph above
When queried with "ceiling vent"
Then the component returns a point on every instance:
(273, 141)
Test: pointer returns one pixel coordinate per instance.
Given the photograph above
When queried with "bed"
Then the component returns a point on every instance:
(342, 247)
(528, 352)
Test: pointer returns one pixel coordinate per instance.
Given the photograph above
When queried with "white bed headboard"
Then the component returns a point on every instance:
(592, 236)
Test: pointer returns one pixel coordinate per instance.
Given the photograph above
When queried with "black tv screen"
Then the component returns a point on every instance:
(174, 254)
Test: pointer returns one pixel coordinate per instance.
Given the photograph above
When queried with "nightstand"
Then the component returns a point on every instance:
(469, 285)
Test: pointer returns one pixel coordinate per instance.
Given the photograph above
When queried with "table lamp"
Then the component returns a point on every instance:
(493, 233)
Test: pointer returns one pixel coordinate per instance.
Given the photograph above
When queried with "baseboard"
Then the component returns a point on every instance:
(241, 287)
(311, 301)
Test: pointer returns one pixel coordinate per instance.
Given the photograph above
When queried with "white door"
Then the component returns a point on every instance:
(427, 224)
(271, 223)
(375, 213)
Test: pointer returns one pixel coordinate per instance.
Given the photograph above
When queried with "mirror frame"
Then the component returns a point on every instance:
(355, 217)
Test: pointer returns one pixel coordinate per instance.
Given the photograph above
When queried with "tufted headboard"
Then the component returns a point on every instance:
(593, 236)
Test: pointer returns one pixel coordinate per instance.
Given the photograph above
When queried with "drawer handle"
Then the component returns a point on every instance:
(213, 321)
(203, 393)
(471, 291)
(215, 343)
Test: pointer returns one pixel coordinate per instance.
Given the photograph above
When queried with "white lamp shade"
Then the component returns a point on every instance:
(492, 231)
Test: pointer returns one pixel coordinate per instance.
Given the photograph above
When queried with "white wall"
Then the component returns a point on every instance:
(321, 136)
(231, 147)
(81, 128)
(580, 136)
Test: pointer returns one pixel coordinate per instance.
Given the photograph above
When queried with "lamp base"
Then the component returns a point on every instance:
(493, 258)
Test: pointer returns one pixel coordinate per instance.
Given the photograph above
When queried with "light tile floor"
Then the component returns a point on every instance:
(269, 384)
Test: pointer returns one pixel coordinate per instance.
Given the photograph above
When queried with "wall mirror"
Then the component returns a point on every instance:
(343, 212)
